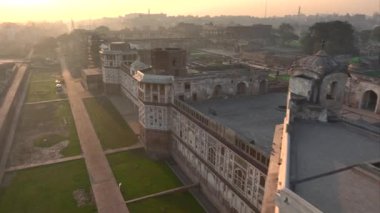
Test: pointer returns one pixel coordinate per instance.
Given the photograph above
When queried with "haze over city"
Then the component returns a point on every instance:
(53, 10)
(189, 106)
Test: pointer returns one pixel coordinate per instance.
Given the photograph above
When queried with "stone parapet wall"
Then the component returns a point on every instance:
(8, 106)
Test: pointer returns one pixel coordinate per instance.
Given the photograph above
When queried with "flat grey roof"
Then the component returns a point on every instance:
(252, 117)
(317, 148)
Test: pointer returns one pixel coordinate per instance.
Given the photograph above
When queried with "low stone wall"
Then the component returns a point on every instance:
(8, 106)
(8, 84)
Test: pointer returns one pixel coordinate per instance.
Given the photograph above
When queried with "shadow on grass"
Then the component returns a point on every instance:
(109, 125)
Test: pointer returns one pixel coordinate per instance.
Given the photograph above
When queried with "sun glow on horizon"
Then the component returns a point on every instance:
(19, 3)
(53, 10)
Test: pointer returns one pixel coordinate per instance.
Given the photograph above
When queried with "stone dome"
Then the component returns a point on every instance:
(316, 66)
(138, 65)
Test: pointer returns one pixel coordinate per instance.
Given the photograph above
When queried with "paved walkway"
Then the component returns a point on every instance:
(77, 157)
(49, 101)
(123, 149)
(166, 192)
(32, 165)
(108, 197)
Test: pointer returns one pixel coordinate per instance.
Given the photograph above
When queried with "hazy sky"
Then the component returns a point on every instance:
(48, 10)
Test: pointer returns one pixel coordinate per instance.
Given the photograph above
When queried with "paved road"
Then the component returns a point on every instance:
(107, 194)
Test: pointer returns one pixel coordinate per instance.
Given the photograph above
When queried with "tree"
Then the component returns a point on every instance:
(46, 47)
(338, 35)
(376, 34)
(102, 31)
(286, 33)
(364, 36)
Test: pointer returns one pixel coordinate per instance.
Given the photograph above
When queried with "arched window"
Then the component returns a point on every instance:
(195, 97)
(332, 91)
(369, 101)
(239, 178)
(241, 88)
(217, 91)
(211, 157)
(262, 87)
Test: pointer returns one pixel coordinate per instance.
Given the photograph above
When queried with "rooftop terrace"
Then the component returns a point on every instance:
(317, 148)
(252, 117)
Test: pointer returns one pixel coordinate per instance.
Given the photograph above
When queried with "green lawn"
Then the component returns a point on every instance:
(109, 125)
(42, 85)
(46, 189)
(45, 74)
(141, 176)
(51, 117)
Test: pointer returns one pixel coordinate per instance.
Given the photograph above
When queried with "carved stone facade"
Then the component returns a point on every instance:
(231, 171)
(233, 181)
(112, 56)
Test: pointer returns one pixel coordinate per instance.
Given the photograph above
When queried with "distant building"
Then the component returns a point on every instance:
(92, 79)
(258, 31)
(112, 56)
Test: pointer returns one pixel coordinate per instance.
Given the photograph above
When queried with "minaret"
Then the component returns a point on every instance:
(72, 25)
(266, 8)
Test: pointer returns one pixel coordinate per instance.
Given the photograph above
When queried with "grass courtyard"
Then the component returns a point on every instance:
(112, 130)
(46, 189)
(42, 85)
(48, 118)
(141, 176)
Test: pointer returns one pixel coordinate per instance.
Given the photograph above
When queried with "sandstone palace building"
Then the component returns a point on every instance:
(218, 123)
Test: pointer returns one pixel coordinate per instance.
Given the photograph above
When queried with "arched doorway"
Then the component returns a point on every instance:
(217, 91)
(262, 87)
(241, 89)
(369, 101)
(332, 91)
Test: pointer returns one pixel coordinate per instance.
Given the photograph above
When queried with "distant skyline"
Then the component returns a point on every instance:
(53, 10)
